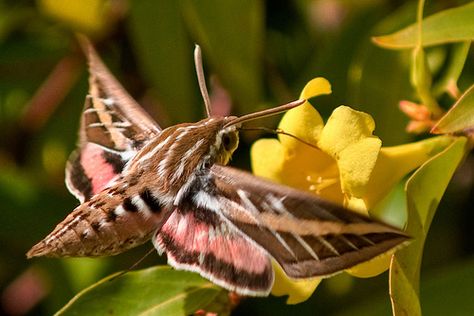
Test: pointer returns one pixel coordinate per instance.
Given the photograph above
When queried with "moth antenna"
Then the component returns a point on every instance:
(265, 113)
(202, 79)
(281, 132)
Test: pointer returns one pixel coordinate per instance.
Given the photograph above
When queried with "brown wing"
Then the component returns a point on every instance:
(307, 236)
(113, 128)
(111, 117)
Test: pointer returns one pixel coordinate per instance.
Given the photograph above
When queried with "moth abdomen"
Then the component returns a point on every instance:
(106, 225)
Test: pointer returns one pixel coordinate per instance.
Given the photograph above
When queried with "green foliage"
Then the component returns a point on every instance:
(165, 57)
(424, 191)
(154, 291)
(448, 26)
(460, 117)
(261, 53)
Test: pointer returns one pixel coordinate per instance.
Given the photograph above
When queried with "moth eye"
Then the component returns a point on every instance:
(229, 141)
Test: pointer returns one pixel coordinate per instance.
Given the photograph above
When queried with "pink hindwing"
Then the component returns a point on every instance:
(199, 240)
(137, 182)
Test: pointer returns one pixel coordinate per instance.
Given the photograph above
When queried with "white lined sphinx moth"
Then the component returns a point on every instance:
(137, 182)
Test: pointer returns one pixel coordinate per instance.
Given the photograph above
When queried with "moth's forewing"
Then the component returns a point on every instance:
(113, 128)
(307, 236)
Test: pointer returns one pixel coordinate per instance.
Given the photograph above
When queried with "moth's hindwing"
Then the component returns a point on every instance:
(91, 168)
(197, 239)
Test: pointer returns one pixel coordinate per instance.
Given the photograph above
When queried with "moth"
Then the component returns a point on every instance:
(136, 182)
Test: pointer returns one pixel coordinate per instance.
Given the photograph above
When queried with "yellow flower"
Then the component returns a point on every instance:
(90, 16)
(349, 167)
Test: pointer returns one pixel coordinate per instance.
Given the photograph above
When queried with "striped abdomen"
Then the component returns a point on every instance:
(110, 223)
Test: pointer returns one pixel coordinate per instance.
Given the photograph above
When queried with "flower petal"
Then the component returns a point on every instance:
(315, 87)
(266, 157)
(304, 121)
(356, 163)
(347, 137)
(344, 127)
(90, 16)
(372, 267)
(356, 204)
(292, 167)
(297, 290)
(395, 162)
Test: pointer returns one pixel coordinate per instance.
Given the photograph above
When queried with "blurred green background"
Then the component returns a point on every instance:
(256, 54)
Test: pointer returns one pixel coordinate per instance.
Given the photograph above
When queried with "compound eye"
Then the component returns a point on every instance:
(229, 141)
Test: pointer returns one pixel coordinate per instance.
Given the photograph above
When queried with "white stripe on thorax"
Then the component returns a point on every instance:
(165, 162)
(155, 150)
(183, 160)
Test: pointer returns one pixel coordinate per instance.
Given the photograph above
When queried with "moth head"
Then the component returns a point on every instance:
(227, 141)
(227, 138)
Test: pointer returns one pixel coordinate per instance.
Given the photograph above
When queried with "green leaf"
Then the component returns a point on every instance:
(392, 208)
(460, 117)
(83, 272)
(153, 291)
(231, 35)
(424, 190)
(448, 26)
